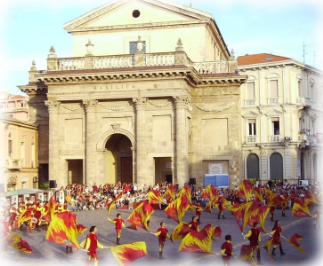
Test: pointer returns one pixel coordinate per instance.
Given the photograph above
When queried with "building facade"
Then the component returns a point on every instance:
(281, 108)
(151, 94)
(19, 157)
(15, 106)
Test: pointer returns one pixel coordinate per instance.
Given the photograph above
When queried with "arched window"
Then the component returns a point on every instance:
(276, 166)
(302, 163)
(253, 166)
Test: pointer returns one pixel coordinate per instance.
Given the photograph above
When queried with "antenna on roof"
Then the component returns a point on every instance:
(191, 3)
(314, 59)
(304, 52)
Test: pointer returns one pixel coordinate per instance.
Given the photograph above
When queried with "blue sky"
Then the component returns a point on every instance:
(29, 28)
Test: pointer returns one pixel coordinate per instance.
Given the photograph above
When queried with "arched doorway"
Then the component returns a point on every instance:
(118, 159)
(253, 166)
(302, 164)
(315, 167)
(276, 166)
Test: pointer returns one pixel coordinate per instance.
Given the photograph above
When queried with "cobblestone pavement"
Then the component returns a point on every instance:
(47, 253)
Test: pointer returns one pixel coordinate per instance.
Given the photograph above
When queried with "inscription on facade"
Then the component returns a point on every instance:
(112, 87)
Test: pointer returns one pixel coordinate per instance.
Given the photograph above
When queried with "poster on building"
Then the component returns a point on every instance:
(215, 169)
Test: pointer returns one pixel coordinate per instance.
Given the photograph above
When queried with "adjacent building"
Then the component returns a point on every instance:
(19, 154)
(150, 94)
(15, 106)
(281, 109)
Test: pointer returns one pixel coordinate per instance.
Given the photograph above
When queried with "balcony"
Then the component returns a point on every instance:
(272, 101)
(13, 163)
(300, 100)
(250, 102)
(275, 138)
(251, 139)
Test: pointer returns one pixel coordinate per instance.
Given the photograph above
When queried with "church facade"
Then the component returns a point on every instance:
(150, 94)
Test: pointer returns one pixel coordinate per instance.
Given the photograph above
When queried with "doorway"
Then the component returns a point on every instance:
(163, 170)
(75, 171)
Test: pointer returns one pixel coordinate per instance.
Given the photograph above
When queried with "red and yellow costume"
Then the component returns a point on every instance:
(162, 234)
(276, 233)
(194, 225)
(91, 243)
(227, 252)
(221, 208)
(199, 210)
(254, 238)
(119, 224)
(13, 212)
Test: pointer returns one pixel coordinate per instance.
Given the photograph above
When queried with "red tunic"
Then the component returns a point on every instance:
(162, 236)
(226, 250)
(254, 238)
(93, 240)
(118, 223)
(276, 236)
(194, 225)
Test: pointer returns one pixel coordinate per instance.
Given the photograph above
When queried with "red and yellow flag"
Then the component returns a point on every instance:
(294, 241)
(255, 212)
(186, 190)
(209, 193)
(16, 242)
(246, 254)
(300, 209)
(198, 242)
(238, 212)
(113, 203)
(245, 189)
(124, 254)
(267, 246)
(63, 230)
(216, 232)
(170, 192)
(80, 229)
(183, 205)
(171, 210)
(141, 215)
(258, 194)
(180, 231)
(309, 199)
(154, 197)
(209, 205)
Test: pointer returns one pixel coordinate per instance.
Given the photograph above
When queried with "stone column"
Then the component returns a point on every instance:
(90, 141)
(141, 142)
(53, 107)
(181, 152)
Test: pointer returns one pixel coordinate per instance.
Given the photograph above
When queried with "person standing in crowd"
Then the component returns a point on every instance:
(90, 244)
(119, 224)
(198, 212)
(221, 207)
(317, 220)
(227, 250)
(162, 234)
(194, 224)
(255, 240)
(277, 233)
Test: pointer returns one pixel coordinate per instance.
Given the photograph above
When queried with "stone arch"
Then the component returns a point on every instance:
(107, 134)
(276, 166)
(252, 166)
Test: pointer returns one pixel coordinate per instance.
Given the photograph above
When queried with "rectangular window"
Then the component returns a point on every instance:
(251, 95)
(252, 127)
(133, 47)
(9, 147)
(274, 89)
(22, 154)
(275, 125)
(299, 89)
(312, 92)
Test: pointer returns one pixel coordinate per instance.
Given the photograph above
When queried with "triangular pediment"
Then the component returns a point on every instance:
(250, 114)
(136, 12)
(273, 113)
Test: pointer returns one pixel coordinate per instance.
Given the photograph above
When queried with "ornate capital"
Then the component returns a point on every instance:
(90, 104)
(52, 106)
(139, 100)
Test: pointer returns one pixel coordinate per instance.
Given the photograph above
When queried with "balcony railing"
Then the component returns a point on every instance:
(300, 100)
(212, 67)
(251, 139)
(250, 102)
(302, 137)
(13, 163)
(273, 100)
(275, 138)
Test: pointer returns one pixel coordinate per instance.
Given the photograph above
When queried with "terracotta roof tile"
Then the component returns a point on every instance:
(260, 58)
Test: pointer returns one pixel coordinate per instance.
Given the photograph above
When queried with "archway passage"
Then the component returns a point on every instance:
(276, 166)
(118, 160)
(253, 166)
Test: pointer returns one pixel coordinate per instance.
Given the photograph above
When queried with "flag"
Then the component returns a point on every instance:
(113, 202)
(294, 241)
(171, 210)
(209, 193)
(132, 227)
(186, 190)
(198, 242)
(182, 206)
(124, 254)
(255, 212)
(246, 254)
(208, 207)
(24, 217)
(154, 197)
(180, 231)
(238, 212)
(216, 232)
(258, 194)
(63, 230)
(16, 242)
(309, 199)
(300, 209)
(141, 215)
(170, 192)
(245, 189)
(267, 246)
(80, 229)
(319, 197)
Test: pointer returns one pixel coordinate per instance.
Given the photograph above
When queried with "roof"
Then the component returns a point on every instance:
(8, 118)
(260, 58)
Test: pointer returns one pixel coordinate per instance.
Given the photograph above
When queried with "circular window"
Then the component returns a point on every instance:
(136, 13)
